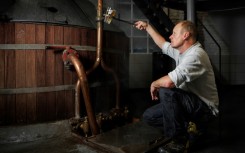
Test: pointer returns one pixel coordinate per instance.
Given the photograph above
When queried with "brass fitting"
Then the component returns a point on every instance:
(192, 128)
(85, 126)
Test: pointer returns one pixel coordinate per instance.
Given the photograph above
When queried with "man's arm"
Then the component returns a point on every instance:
(162, 82)
(158, 39)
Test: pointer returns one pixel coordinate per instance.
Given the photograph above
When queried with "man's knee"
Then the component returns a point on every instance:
(153, 116)
(165, 95)
(147, 116)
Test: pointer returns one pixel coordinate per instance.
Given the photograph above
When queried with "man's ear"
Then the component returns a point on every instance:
(186, 35)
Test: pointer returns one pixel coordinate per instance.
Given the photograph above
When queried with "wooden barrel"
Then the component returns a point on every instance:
(34, 85)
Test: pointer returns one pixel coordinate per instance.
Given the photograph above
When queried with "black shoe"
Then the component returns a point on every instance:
(173, 147)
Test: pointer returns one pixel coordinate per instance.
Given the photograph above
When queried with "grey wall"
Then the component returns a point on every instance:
(228, 27)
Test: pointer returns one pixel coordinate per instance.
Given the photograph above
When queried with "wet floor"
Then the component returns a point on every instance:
(133, 138)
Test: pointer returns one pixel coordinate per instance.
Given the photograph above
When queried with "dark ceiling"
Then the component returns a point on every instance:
(204, 5)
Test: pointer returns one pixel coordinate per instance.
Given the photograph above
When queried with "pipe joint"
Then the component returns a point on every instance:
(99, 19)
(67, 62)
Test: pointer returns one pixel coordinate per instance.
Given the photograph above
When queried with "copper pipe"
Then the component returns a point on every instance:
(106, 68)
(99, 37)
(78, 84)
(99, 51)
(55, 48)
(99, 58)
(77, 99)
(85, 90)
(82, 81)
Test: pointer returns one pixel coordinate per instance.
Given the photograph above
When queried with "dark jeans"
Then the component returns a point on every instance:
(175, 110)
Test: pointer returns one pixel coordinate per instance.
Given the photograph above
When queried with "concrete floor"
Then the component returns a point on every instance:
(41, 138)
(57, 137)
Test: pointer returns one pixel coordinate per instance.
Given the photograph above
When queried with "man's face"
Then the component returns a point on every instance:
(177, 37)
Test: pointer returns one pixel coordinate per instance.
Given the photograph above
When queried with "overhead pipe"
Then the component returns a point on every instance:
(99, 60)
(99, 38)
